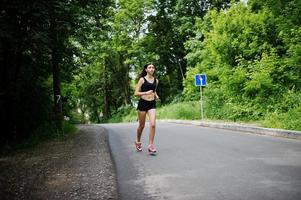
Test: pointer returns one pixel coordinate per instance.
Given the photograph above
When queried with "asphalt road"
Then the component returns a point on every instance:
(205, 164)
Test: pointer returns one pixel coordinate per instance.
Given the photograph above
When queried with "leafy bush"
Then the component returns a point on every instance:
(124, 114)
(251, 56)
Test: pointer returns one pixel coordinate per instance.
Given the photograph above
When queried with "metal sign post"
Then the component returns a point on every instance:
(200, 80)
(202, 109)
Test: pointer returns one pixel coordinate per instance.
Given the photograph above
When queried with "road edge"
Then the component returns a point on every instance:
(112, 159)
(240, 127)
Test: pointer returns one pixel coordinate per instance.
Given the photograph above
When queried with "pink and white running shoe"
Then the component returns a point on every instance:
(151, 149)
(138, 146)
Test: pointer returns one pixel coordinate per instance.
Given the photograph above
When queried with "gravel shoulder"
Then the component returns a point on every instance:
(79, 167)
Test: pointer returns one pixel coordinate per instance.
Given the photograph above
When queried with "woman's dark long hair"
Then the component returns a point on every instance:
(143, 73)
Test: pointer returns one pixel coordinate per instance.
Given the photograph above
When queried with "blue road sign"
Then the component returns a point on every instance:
(200, 79)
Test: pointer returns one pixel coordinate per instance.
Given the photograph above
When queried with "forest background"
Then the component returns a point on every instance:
(77, 61)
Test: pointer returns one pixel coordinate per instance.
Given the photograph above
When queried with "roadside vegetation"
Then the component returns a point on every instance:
(192, 111)
(80, 60)
(44, 133)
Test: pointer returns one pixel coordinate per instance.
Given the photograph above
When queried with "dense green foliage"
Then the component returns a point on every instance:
(37, 55)
(251, 55)
(81, 59)
(138, 32)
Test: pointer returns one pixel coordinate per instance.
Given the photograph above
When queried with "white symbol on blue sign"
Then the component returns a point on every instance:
(200, 79)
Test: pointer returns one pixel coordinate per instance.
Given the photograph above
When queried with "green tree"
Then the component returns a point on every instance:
(170, 26)
(37, 55)
(248, 58)
(109, 57)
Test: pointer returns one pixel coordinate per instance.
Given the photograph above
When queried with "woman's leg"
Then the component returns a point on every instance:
(141, 117)
(152, 125)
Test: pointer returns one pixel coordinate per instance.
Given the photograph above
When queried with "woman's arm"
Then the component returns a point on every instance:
(156, 95)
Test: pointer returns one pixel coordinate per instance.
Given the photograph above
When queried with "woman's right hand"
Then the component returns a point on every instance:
(149, 92)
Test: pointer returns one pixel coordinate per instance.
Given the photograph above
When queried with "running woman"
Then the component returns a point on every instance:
(146, 90)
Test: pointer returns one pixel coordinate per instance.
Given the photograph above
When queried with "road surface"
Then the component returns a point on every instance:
(196, 163)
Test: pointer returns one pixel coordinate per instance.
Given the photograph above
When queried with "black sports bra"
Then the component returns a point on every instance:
(146, 86)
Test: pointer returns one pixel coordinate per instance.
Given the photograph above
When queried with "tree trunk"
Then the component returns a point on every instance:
(95, 111)
(126, 67)
(7, 93)
(56, 75)
(106, 106)
(127, 97)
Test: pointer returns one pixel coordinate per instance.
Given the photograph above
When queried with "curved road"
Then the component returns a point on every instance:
(194, 162)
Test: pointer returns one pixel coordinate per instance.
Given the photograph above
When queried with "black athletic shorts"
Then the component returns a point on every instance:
(144, 105)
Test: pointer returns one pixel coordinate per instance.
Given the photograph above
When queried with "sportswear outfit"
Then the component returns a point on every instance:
(144, 105)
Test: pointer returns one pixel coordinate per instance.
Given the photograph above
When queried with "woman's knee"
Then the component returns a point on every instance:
(153, 125)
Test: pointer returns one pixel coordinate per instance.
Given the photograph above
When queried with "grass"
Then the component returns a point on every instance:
(290, 120)
(184, 110)
(191, 111)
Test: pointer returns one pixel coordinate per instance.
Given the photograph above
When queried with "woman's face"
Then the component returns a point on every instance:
(150, 69)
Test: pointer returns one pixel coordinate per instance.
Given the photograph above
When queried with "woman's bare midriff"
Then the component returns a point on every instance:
(148, 97)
